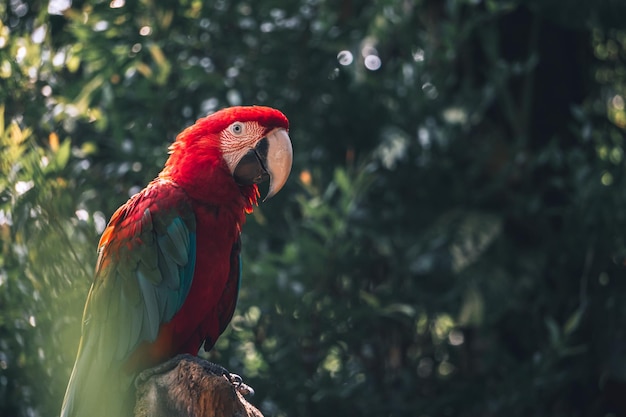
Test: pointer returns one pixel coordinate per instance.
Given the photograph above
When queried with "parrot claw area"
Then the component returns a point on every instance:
(240, 387)
(210, 367)
(213, 368)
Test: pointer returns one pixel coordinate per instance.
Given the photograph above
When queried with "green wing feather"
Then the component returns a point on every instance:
(143, 275)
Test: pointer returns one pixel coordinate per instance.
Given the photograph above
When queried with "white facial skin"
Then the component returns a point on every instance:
(241, 137)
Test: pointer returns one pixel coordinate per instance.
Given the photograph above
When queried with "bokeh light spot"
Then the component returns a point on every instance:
(345, 57)
(59, 6)
(372, 62)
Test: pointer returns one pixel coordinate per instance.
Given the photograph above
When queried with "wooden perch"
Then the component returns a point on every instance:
(187, 386)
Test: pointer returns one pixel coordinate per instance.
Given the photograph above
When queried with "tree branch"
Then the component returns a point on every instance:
(187, 386)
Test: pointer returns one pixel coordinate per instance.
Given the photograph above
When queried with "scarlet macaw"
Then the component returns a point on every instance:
(168, 269)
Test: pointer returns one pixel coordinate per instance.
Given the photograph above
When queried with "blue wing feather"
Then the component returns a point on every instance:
(177, 254)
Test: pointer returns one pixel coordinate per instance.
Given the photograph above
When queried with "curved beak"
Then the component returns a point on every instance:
(270, 158)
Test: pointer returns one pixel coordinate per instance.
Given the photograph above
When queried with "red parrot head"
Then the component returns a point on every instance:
(226, 154)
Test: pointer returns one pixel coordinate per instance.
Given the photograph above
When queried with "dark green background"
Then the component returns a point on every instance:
(450, 243)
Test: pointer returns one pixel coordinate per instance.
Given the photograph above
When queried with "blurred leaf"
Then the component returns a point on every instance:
(60, 157)
(573, 322)
(472, 308)
(554, 332)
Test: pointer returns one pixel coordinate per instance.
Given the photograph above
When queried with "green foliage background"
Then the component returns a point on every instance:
(451, 242)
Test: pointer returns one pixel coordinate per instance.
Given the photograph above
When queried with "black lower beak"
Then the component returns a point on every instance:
(251, 168)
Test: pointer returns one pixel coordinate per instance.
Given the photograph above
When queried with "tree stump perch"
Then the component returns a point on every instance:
(188, 386)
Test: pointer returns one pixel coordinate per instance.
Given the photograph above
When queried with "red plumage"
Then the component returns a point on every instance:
(219, 205)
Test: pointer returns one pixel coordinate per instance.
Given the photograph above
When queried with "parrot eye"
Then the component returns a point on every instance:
(236, 128)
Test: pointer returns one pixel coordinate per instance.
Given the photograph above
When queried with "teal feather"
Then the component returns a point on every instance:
(188, 272)
(151, 321)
